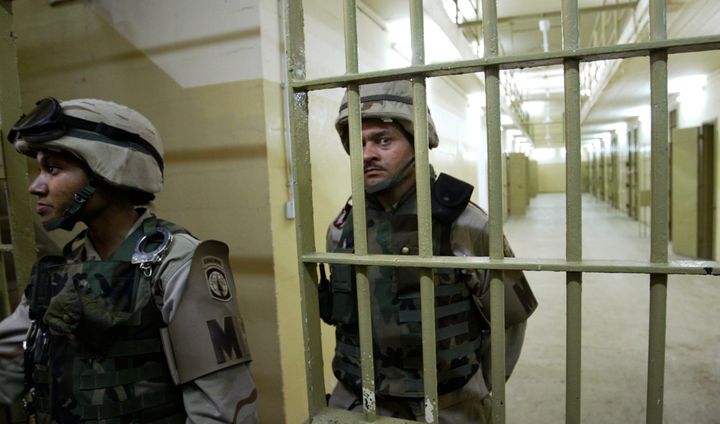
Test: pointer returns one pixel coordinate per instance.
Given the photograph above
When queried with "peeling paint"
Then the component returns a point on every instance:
(368, 399)
(429, 411)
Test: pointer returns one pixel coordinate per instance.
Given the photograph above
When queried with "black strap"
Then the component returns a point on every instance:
(70, 217)
(113, 133)
(381, 97)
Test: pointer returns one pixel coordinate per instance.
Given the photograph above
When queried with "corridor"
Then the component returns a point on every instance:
(615, 326)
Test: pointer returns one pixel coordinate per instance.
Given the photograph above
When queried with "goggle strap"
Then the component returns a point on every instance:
(70, 217)
(80, 198)
(381, 98)
(113, 133)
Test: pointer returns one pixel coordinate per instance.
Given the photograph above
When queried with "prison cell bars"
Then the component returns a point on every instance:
(13, 183)
(422, 175)
(367, 366)
(659, 217)
(495, 212)
(573, 213)
(658, 267)
(15, 179)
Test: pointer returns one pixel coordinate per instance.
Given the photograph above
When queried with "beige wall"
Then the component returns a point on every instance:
(551, 177)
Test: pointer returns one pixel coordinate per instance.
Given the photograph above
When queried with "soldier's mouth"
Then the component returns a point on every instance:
(373, 168)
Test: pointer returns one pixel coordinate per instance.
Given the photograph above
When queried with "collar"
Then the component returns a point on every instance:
(408, 198)
(91, 253)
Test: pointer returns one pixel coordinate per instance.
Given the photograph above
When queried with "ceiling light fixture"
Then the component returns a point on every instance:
(544, 25)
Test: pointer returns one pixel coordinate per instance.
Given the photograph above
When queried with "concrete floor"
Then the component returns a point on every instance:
(615, 327)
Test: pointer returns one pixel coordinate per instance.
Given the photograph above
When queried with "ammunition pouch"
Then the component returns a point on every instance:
(40, 288)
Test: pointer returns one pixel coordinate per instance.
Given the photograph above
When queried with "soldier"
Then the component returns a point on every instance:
(460, 228)
(137, 321)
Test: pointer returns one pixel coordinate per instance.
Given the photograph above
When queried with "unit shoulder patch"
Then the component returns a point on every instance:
(216, 278)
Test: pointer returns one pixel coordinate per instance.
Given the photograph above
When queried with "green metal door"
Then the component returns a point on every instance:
(685, 191)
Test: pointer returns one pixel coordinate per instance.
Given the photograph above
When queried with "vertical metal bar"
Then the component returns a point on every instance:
(659, 214)
(305, 227)
(573, 213)
(5, 308)
(495, 189)
(16, 171)
(367, 365)
(616, 25)
(422, 178)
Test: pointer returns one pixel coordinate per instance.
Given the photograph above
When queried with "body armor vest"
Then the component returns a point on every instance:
(395, 300)
(95, 353)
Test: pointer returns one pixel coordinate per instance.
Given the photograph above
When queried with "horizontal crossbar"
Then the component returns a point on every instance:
(621, 51)
(524, 264)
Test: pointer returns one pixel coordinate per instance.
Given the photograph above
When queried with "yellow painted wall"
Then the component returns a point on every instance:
(215, 146)
(533, 178)
(551, 177)
(518, 190)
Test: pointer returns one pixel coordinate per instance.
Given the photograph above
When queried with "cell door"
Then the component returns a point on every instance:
(685, 191)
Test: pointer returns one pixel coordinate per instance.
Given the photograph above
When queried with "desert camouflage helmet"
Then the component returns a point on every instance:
(130, 164)
(385, 100)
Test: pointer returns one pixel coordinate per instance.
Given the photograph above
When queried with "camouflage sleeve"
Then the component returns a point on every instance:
(227, 395)
(13, 331)
(470, 236)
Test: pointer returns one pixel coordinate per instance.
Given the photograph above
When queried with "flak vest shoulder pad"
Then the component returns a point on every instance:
(207, 332)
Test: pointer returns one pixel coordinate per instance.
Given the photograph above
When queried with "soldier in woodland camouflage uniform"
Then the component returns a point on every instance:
(460, 228)
(137, 321)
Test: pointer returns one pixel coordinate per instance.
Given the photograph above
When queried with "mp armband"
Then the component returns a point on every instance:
(207, 333)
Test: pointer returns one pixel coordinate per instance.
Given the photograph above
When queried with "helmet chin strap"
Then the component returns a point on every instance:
(391, 182)
(72, 213)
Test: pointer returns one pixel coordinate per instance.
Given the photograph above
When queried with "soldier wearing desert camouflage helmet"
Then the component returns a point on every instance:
(460, 228)
(137, 321)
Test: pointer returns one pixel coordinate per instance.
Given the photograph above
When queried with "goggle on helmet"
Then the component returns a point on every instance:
(120, 156)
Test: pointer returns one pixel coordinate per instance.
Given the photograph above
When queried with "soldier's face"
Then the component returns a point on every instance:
(61, 176)
(386, 151)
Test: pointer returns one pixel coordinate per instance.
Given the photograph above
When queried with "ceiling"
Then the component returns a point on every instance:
(541, 89)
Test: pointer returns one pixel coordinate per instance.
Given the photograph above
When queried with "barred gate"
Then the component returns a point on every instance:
(13, 173)
(657, 267)
(16, 211)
